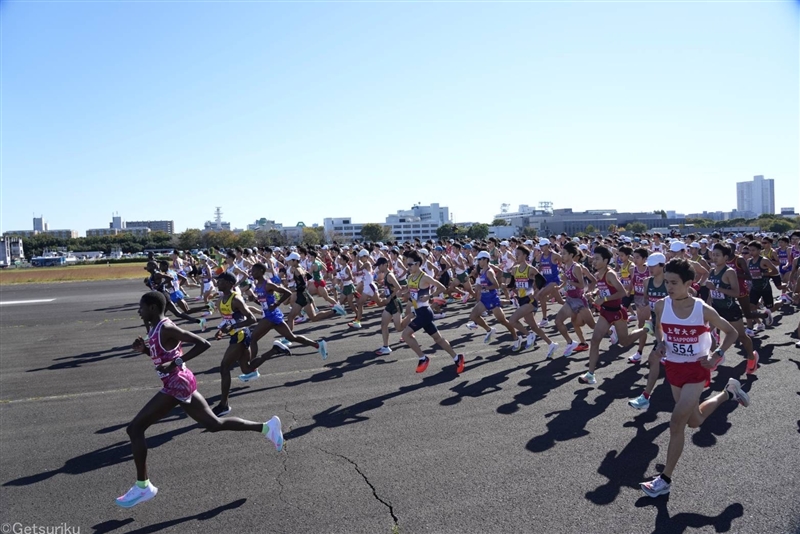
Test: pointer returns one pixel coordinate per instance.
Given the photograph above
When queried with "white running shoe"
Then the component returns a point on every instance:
(734, 387)
(636, 358)
(587, 378)
(531, 339)
(769, 319)
(655, 487)
(551, 349)
(323, 349)
(571, 348)
(614, 336)
(383, 351)
(517, 345)
(749, 332)
(544, 322)
(339, 309)
(760, 327)
(274, 432)
(300, 319)
(471, 326)
(250, 376)
(203, 324)
(137, 495)
(283, 347)
(438, 315)
(489, 335)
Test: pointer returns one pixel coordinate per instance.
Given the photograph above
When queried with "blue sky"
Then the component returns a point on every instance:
(298, 111)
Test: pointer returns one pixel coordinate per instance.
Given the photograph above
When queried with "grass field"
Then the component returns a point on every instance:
(77, 273)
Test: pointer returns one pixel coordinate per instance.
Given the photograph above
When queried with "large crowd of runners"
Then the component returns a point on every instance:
(681, 303)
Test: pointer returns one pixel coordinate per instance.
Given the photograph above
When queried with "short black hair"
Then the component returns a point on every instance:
(604, 252)
(642, 252)
(682, 268)
(157, 299)
(228, 277)
(724, 249)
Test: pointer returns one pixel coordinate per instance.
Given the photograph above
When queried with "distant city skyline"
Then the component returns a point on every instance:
(302, 111)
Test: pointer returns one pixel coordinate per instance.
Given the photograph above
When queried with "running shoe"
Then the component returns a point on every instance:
(752, 365)
(544, 322)
(648, 325)
(274, 433)
(323, 349)
(422, 364)
(636, 358)
(300, 319)
(211, 306)
(250, 376)
(551, 350)
(587, 378)
(220, 410)
(797, 345)
(749, 332)
(383, 351)
(285, 342)
(640, 403)
(438, 315)
(786, 298)
(282, 347)
(582, 347)
(356, 325)
(465, 298)
(654, 488)
(485, 314)
(614, 336)
(734, 387)
(760, 327)
(488, 337)
(339, 309)
(570, 349)
(459, 364)
(203, 324)
(531, 339)
(517, 345)
(768, 319)
(471, 326)
(137, 495)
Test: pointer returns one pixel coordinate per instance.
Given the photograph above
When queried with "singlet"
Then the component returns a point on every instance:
(458, 260)
(317, 275)
(689, 339)
(625, 276)
(757, 272)
(399, 270)
(654, 294)
(719, 300)
(229, 315)
(523, 281)
(549, 269)
(342, 275)
(176, 282)
(265, 298)
(638, 280)
(206, 274)
(573, 291)
(484, 281)
(784, 265)
(158, 354)
(299, 282)
(606, 290)
(416, 293)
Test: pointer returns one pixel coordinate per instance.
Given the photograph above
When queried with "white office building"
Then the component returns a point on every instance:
(420, 222)
(756, 197)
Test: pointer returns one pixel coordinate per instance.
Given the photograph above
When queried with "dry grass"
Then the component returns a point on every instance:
(78, 273)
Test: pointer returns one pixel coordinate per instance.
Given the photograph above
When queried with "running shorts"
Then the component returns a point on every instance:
(423, 320)
(680, 374)
(613, 315)
(490, 300)
(179, 384)
(242, 336)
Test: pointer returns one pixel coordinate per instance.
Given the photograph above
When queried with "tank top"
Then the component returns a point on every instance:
(757, 272)
(549, 269)
(654, 294)
(416, 293)
(522, 281)
(317, 275)
(720, 300)
(638, 280)
(399, 271)
(176, 282)
(342, 275)
(688, 339)
(229, 315)
(265, 298)
(573, 291)
(625, 276)
(606, 290)
(158, 354)
(484, 281)
(299, 282)
(783, 260)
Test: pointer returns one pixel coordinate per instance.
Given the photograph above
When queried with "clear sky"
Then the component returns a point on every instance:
(300, 111)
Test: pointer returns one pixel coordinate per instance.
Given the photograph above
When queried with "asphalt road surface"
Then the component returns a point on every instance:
(514, 444)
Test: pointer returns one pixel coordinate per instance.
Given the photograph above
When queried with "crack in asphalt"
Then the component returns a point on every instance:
(284, 459)
(387, 504)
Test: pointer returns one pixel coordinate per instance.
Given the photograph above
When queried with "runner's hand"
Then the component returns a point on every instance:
(139, 345)
(711, 360)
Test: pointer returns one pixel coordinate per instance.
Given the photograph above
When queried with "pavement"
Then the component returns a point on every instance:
(514, 444)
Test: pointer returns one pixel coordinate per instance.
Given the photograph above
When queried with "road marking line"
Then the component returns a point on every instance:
(12, 302)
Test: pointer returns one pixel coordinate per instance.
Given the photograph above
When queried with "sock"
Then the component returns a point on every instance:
(666, 479)
(143, 483)
(264, 428)
(646, 395)
(422, 359)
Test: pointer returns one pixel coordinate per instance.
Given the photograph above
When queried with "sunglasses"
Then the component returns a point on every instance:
(411, 264)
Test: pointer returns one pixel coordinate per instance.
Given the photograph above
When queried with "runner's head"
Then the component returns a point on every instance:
(570, 251)
(721, 254)
(678, 276)
(413, 261)
(483, 258)
(522, 253)
(755, 249)
(655, 262)
(382, 264)
(602, 255)
(640, 256)
(152, 306)
(163, 265)
(625, 253)
(225, 282)
(258, 270)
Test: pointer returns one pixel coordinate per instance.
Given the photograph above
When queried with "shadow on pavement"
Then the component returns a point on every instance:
(551, 376)
(718, 424)
(114, 524)
(73, 362)
(680, 523)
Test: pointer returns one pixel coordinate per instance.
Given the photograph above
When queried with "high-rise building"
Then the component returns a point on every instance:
(156, 226)
(39, 224)
(756, 197)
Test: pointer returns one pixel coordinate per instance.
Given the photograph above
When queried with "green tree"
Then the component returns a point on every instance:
(445, 231)
(529, 232)
(636, 227)
(589, 229)
(499, 222)
(780, 226)
(312, 236)
(478, 231)
(191, 238)
(374, 232)
(246, 239)
(270, 238)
